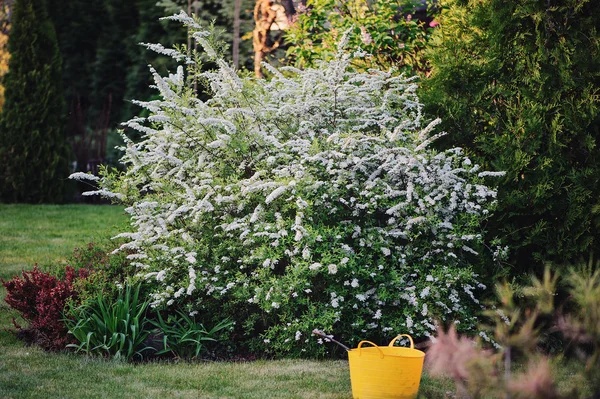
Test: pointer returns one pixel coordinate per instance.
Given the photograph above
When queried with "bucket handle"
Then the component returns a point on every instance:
(412, 344)
(369, 342)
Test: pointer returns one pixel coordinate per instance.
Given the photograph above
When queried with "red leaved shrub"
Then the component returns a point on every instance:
(40, 298)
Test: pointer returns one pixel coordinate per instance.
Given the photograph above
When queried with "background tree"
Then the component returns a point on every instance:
(116, 44)
(518, 84)
(223, 14)
(33, 154)
(150, 30)
(394, 33)
(79, 25)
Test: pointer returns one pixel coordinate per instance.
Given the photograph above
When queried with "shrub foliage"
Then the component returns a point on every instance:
(518, 83)
(394, 33)
(312, 200)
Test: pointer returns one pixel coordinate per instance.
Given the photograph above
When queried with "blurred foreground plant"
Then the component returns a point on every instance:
(524, 319)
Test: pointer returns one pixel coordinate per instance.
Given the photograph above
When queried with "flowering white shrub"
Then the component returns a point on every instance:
(310, 200)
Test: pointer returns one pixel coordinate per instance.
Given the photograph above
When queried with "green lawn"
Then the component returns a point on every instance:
(46, 234)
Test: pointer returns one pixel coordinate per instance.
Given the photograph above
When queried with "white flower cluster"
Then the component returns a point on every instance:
(314, 182)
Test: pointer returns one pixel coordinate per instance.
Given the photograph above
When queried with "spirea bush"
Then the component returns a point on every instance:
(310, 200)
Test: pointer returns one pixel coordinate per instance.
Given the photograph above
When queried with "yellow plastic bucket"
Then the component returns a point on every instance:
(385, 372)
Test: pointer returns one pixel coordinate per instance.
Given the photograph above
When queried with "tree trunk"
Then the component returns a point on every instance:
(288, 5)
(189, 41)
(264, 16)
(237, 9)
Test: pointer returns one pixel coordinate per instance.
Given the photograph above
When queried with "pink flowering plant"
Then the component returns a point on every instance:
(310, 200)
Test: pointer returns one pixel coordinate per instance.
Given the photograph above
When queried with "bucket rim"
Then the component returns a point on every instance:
(409, 352)
(412, 352)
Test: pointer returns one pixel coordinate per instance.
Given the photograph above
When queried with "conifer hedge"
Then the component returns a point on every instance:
(519, 84)
(33, 153)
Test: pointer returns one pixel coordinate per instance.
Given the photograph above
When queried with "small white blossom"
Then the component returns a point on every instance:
(315, 266)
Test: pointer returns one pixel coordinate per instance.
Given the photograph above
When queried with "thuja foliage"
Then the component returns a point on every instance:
(312, 200)
(518, 83)
(394, 33)
(33, 153)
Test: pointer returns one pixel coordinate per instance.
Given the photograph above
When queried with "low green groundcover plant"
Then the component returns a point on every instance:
(114, 329)
(310, 200)
(185, 337)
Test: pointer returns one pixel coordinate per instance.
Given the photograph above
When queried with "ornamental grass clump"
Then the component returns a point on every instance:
(309, 200)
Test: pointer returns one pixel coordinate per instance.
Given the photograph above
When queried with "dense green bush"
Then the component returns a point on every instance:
(394, 33)
(517, 82)
(109, 270)
(33, 151)
(308, 201)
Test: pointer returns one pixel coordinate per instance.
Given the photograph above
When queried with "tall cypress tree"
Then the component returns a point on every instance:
(33, 153)
(517, 84)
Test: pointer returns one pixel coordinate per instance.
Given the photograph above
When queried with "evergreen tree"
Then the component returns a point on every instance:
(33, 154)
(517, 83)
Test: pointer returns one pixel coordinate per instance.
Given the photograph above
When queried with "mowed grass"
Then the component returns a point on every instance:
(47, 234)
(30, 373)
